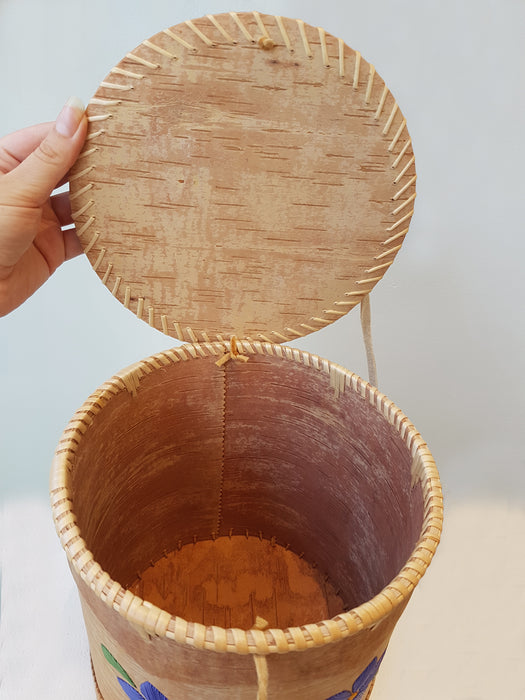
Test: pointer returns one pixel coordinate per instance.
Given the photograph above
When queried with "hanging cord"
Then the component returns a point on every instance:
(366, 327)
(261, 664)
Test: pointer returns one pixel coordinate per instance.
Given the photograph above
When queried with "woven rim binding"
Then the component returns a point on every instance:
(152, 620)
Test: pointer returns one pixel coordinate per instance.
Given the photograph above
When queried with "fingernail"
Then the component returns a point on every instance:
(70, 117)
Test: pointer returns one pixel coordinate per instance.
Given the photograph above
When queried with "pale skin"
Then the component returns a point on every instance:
(33, 162)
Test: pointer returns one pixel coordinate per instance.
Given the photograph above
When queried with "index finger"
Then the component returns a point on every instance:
(15, 147)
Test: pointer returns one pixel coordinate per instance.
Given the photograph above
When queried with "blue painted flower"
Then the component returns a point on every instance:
(361, 683)
(147, 691)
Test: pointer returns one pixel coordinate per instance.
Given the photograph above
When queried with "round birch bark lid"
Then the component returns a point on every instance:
(244, 175)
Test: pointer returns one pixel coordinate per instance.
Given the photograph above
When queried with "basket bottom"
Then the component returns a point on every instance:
(230, 581)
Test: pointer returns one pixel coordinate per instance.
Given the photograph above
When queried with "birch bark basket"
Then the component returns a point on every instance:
(242, 519)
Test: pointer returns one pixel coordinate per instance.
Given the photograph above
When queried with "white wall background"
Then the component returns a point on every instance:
(448, 327)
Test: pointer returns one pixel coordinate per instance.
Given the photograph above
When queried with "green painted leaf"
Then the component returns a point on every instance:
(112, 660)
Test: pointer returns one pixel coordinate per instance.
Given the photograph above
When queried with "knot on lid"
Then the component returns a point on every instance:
(265, 43)
(235, 353)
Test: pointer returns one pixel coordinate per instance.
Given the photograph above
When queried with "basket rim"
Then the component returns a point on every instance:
(150, 620)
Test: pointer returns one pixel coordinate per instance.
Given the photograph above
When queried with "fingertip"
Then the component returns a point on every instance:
(76, 103)
(31, 182)
(70, 117)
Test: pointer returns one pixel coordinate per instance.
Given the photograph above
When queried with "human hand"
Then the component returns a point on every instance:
(33, 162)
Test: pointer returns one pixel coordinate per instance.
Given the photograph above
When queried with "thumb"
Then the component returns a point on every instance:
(31, 183)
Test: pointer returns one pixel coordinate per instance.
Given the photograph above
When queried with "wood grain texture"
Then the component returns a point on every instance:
(231, 189)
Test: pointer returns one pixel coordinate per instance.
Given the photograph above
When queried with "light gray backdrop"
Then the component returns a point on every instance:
(447, 319)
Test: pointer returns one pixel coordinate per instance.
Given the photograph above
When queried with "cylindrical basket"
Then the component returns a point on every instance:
(242, 521)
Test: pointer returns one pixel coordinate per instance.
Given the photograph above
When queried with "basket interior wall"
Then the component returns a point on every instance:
(263, 446)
